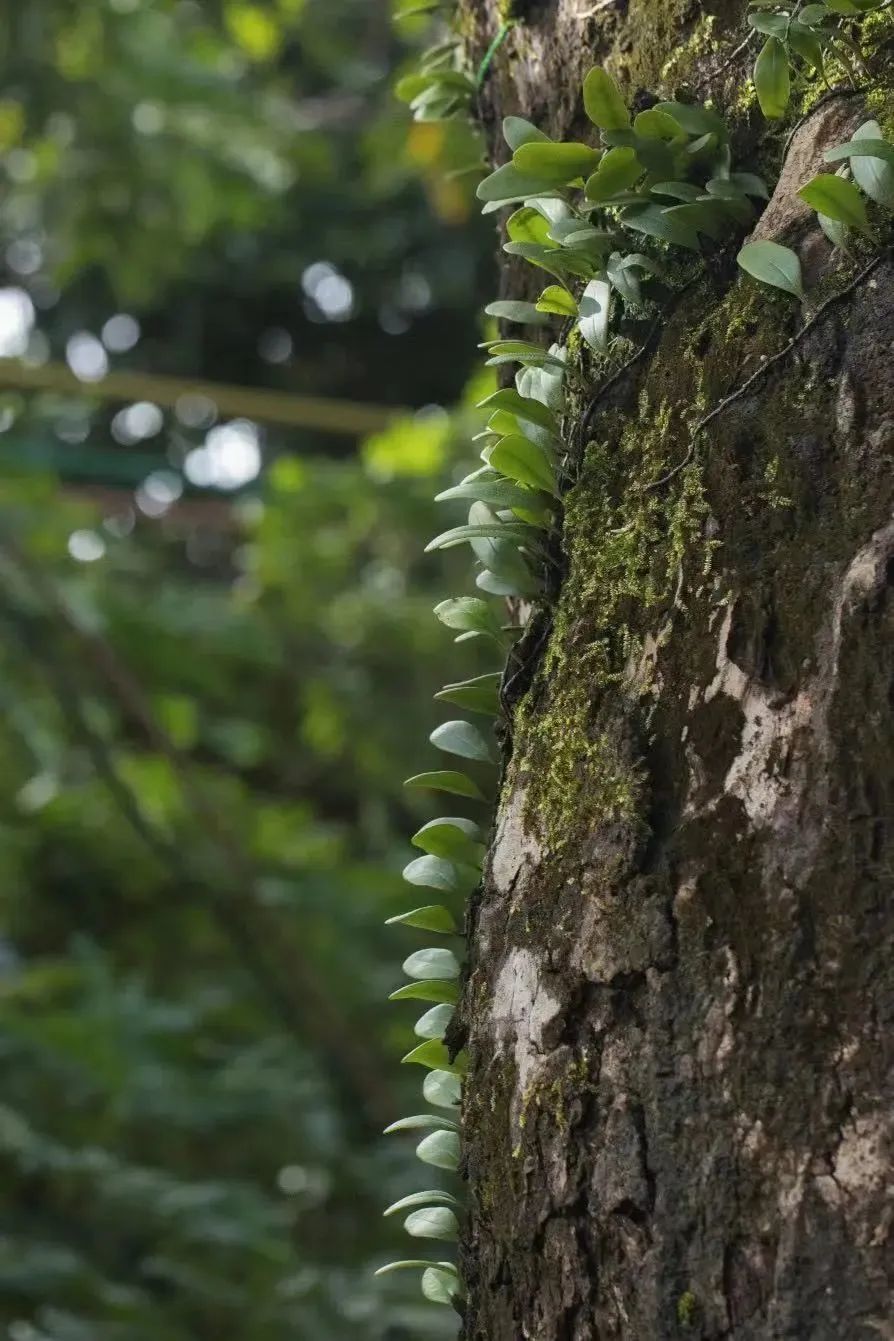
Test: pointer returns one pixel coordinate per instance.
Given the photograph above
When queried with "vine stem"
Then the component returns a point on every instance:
(492, 50)
(767, 365)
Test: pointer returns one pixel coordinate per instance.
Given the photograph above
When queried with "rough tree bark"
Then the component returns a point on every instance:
(679, 1007)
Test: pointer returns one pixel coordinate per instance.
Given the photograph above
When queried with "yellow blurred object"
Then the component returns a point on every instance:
(80, 46)
(12, 123)
(256, 31)
(412, 445)
(425, 143)
(450, 199)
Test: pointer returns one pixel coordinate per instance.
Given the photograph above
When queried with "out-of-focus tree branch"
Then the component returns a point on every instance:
(266, 944)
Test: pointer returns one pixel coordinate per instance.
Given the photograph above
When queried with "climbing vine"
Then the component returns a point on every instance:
(615, 227)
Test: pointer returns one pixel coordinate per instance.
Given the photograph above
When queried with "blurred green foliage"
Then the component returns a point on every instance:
(208, 705)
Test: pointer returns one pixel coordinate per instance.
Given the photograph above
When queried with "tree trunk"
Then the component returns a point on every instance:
(679, 1113)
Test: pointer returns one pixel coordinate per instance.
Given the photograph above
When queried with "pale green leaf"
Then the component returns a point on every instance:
(446, 780)
(838, 199)
(618, 169)
(595, 311)
(435, 1197)
(421, 1122)
(773, 264)
(403, 1265)
(433, 1222)
(555, 164)
(508, 183)
(439, 1286)
(558, 301)
(433, 1024)
(433, 962)
(521, 406)
(873, 172)
(517, 131)
(440, 1149)
(525, 314)
(435, 873)
(469, 613)
(433, 1054)
(464, 739)
(442, 1088)
(772, 81)
(453, 838)
(480, 694)
(495, 530)
(694, 119)
(603, 102)
(433, 917)
(522, 460)
(657, 222)
(426, 990)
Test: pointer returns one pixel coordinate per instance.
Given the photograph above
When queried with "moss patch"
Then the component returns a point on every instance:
(686, 1305)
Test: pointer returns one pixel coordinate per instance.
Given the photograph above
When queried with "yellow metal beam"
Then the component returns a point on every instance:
(353, 418)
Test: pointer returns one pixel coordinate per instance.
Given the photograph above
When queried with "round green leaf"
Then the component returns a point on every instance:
(517, 131)
(433, 1024)
(469, 613)
(436, 873)
(453, 838)
(838, 199)
(773, 264)
(618, 169)
(522, 460)
(694, 119)
(557, 300)
(603, 102)
(658, 222)
(555, 164)
(433, 1222)
(461, 738)
(439, 1286)
(443, 1089)
(440, 1149)
(433, 1054)
(432, 963)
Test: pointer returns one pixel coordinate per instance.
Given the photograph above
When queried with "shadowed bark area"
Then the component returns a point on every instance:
(679, 1114)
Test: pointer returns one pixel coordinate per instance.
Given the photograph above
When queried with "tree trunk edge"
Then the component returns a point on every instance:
(678, 1118)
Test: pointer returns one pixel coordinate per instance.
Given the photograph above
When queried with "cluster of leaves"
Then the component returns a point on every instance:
(511, 496)
(440, 88)
(802, 38)
(866, 168)
(665, 175)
